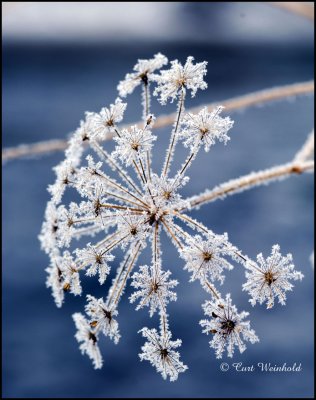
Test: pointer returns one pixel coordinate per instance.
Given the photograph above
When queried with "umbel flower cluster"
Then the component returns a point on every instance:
(124, 204)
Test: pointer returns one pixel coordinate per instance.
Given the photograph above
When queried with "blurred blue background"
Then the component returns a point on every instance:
(61, 59)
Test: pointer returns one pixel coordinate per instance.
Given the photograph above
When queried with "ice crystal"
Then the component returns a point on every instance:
(269, 279)
(119, 202)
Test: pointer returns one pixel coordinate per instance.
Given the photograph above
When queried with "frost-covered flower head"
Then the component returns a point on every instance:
(96, 259)
(166, 191)
(227, 327)
(106, 121)
(178, 78)
(132, 226)
(132, 144)
(118, 202)
(205, 128)
(143, 74)
(160, 351)
(205, 258)
(270, 278)
(154, 288)
(102, 318)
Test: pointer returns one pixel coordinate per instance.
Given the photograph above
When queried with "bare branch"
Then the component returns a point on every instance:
(251, 180)
(248, 100)
(307, 149)
(296, 7)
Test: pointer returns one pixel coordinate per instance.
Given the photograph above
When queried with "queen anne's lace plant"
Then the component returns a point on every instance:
(129, 213)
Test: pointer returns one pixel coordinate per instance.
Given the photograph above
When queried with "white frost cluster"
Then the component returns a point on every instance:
(227, 327)
(108, 118)
(133, 144)
(269, 278)
(178, 78)
(205, 128)
(154, 288)
(205, 258)
(160, 351)
(117, 202)
(143, 74)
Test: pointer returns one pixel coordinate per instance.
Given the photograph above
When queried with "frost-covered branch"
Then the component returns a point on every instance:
(248, 100)
(251, 180)
(307, 150)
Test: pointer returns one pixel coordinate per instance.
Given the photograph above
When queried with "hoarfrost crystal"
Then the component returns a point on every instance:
(172, 81)
(205, 128)
(269, 279)
(227, 327)
(134, 208)
(154, 288)
(159, 350)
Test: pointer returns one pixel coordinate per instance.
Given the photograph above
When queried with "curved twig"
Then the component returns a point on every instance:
(248, 100)
(251, 180)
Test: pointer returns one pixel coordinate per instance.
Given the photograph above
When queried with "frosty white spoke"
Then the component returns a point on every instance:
(117, 207)
(167, 227)
(174, 134)
(123, 199)
(82, 220)
(185, 234)
(126, 274)
(123, 174)
(122, 189)
(307, 149)
(148, 165)
(139, 174)
(146, 100)
(106, 239)
(115, 244)
(86, 230)
(187, 163)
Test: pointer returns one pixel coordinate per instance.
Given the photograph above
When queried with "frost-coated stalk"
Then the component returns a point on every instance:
(174, 133)
(126, 213)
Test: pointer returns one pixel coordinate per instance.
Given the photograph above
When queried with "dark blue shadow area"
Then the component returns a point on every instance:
(46, 90)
